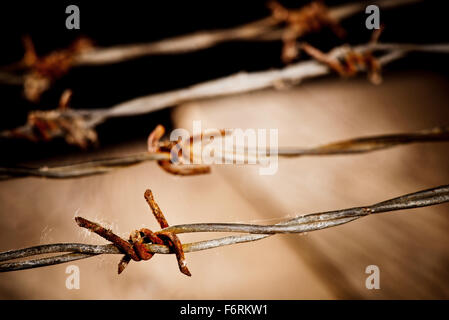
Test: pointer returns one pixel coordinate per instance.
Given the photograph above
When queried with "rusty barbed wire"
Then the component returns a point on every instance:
(163, 152)
(58, 123)
(148, 244)
(83, 121)
(270, 28)
(174, 148)
(41, 72)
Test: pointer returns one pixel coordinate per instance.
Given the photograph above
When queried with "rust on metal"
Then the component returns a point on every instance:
(107, 234)
(44, 71)
(349, 64)
(134, 248)
(175, 244)
(311, 18)
(157, 212)
(56, 123)
(175, 165)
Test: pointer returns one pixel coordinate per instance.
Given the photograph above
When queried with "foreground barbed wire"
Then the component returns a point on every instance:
(300, 224)
(160, 151)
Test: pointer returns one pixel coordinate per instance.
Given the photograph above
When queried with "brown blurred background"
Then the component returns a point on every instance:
(410, 247)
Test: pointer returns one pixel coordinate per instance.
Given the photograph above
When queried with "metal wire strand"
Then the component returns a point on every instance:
(300, 224)
(346, 147)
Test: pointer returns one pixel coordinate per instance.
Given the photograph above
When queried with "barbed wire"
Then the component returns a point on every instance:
(251, 81)
(40, 73)
(163, 156)
(77, 126)
(266, 29)
(299, 224)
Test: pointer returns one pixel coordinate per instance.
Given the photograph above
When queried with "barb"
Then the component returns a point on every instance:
(160, 151)
(60, 123)
(134, 248)
(42, 72)
(300, 224)
(309, 19)
(174, 149)
(350, 64)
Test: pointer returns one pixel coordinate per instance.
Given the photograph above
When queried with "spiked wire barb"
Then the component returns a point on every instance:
(134, 248)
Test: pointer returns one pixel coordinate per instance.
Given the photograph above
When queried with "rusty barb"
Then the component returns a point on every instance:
(134, 248)
(57, 123)
(350, 62)
(311, 18)
(173, 149)
(42, 71)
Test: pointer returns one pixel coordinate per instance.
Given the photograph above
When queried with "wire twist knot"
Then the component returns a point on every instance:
(134, 249)
(176, 165)
(311, 18)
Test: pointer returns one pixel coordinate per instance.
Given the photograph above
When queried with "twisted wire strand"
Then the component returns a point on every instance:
(345, 147)
(243, 82)
(305, 223)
